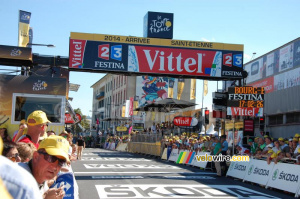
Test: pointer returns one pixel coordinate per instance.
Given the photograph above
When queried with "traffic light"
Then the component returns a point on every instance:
(218, 124)
(206, 120)
(261, 123)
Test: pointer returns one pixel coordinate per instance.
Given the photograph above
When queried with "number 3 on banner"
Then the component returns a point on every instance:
(116, 52)
(237, 60)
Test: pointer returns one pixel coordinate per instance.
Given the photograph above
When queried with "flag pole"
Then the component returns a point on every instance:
(203, 121)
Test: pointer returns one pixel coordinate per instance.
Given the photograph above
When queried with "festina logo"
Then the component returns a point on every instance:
(174, 62)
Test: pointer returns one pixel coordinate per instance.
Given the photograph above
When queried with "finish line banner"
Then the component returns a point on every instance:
(137, 55)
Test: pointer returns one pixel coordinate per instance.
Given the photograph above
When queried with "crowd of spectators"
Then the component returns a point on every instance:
(34, 158)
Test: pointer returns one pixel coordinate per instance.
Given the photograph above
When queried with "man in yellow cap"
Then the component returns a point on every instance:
(15, 182)
(37, 123)
(47, 161)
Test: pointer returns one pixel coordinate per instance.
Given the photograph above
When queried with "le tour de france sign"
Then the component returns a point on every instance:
(140, 55)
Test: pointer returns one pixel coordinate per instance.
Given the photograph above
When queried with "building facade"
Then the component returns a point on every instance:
(278, 72)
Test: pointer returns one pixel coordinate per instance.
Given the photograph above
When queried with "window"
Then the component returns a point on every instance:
(24, 104)
(293, 117)
(275, 119)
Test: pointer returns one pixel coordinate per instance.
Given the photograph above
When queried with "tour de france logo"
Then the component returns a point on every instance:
(160, 25)
(275, 174)
(250, 169)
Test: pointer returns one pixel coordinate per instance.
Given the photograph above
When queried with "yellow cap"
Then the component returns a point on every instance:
(56, 146)
(256, 138)
(266, 136)
(297, 135)
(295, 139)
(298, 150)
(36, 118)
(23, 121)
(280, 139)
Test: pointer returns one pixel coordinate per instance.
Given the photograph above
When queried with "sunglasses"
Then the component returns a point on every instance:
(14, 157)
(52, 159)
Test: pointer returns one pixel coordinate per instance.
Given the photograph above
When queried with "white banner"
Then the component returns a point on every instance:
(164, 155)
(285, 177)
(237, 169)
(259, 171)
(201, 164)
(127, 108)
(174, 155)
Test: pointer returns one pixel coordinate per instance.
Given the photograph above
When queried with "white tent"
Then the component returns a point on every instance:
(210, 130)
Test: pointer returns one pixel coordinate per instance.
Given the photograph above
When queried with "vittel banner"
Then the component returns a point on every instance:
(138, 56)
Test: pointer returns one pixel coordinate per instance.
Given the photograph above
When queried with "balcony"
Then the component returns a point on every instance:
(100, 95)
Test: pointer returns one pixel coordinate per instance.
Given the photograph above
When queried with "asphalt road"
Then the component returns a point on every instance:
(119, 175)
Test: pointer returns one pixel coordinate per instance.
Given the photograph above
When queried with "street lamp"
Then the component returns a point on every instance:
(47, 45)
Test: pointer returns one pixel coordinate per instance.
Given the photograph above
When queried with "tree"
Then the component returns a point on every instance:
(84, 122)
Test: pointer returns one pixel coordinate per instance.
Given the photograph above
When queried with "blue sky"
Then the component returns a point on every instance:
(260, 25)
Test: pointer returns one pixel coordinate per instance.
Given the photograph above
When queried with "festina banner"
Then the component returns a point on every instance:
(237, 111)
(109, 53)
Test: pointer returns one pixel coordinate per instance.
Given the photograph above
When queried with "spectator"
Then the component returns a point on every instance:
(276, 148)
(217, 150)
(37, 123)
(22, 127)
(11, 152)
(242, 150)
(253, 146)
(26, 151)
(50, 133)
(19, 184)
(47, 161)
(81, 145)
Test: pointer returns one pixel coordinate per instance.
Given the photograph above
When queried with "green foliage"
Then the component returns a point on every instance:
(84, 122)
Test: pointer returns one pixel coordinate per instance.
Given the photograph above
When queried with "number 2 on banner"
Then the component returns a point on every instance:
(103, 51)
(227, 59)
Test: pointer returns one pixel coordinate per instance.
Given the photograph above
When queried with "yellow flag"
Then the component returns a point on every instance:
(152, 116)
(123, 111)
(24, 20)
(205, 87)
(180, 88)
(193, 89)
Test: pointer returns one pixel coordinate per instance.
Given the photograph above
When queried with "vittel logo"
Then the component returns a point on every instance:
(190, 64)
(77, 53)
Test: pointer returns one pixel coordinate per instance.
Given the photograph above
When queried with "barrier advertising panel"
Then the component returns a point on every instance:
(174, 155)
(285, 177)
(111, 53)
(201, 164)
(238, 169)
(259, 171)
